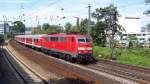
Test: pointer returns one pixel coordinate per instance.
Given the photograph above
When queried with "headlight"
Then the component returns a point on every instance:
(81, 48)
(84, 48)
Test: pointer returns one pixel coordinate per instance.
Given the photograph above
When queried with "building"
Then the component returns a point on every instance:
(28, 30)
(132, 25)
(4, 28)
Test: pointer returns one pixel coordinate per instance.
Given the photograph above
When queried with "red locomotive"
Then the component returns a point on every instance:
(70, 47)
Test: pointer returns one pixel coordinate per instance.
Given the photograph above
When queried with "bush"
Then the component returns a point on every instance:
(134, 56)
(102, 52)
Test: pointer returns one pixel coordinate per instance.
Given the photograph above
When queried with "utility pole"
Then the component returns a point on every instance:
(89, 19)
(114, 30)
(77, 22)
(37, 21)
(21, 17)
(114, 19)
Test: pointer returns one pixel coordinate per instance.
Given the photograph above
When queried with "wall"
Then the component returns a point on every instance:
(132, 25)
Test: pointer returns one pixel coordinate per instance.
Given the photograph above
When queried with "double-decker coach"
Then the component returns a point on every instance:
(34, 41)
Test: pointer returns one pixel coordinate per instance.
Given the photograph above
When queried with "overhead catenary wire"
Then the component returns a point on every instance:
(132, 4)
(31, 14)
(56, 1)
(45, 6)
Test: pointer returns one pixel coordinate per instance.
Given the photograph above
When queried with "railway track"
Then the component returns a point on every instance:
(140, 69)
(79, 74)
(22, 77)
(126, 72)
(139, 74)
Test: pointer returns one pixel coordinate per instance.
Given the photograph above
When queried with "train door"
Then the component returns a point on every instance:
(71, 45)
(40, 41)
(68, 44)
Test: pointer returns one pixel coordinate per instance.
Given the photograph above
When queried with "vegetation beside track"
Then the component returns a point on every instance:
(134, 56)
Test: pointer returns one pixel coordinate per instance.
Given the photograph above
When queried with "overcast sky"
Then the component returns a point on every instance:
(49, 11)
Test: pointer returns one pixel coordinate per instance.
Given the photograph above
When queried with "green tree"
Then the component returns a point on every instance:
(108, 15)
(104, 23)
(54, 29)
(83, 26)
(45, 26)
(74, 30)
(98, 33)
(48, 29)
(18, 27)
(133, 40)
(147, 27)
(147, 12)
(104, 14)
(68, 27)
(80, 28)
(36, 30)
(1, 38)
(132, 37)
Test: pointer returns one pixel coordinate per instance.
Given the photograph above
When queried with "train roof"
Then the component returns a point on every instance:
(34, 36)
(68, 35)
(57, 35)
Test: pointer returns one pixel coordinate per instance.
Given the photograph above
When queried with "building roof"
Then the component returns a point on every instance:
(132, 17)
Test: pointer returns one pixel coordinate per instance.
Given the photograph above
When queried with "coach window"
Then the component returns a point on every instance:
(51, 38)
(48, 38)
(56, 38)
(61, 39)
(65, 39)
(27, 39)
(35, 40)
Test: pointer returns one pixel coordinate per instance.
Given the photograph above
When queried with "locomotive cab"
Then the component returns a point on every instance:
(84, 47)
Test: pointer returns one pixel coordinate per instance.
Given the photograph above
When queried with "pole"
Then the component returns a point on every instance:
(77, 21)
(37, 21)
(89, 18)
(22, 14)
(114, 30)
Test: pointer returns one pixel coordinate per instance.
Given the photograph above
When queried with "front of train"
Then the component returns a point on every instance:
(85, 48)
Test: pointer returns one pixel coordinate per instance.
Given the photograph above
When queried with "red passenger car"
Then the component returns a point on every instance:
(70, 47)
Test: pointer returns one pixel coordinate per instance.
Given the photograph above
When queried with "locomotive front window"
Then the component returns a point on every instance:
(81, 40)
(84, 40)
(88, 40)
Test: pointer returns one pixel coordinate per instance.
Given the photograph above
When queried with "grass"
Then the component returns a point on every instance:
(135, 56)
